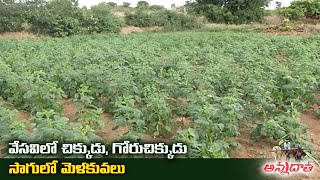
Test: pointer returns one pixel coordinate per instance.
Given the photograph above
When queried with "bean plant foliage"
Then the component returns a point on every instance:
(147, 82)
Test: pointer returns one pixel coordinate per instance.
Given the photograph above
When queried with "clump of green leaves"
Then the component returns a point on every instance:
(164, 18)
(287, 25)
(88, 115)
(9, 129)
(279, 126)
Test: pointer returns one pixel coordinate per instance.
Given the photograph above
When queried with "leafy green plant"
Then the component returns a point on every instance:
(140, 19)
(9, 129)
(100, 19)
(88, 115)
(286, 26)
(311, 8)
(148, 82)
(127, 113)
(292, 13)
(158, 115)
(279, 126)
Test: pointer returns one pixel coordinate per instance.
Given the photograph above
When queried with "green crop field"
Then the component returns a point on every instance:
(191, 87)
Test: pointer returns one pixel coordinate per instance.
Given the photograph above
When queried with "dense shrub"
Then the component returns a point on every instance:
(112, 4)
(168, 19)
(126, 4)
(212, 12)
(11, 23)
(292, 13)
(60, 18)
(311, 8)
(11, 17)
(143, 4)
(302, 9)
(94, 24)
(140, 19)
(175, 21)
(230, 12)
(100, 19)
(156, 8)
(55, 25)
(57, 18)
(216, 14)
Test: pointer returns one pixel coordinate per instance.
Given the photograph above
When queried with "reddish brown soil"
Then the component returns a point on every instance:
(109, 133)
(248, 148)
(131, 29)
(69, 109)
(22, 115)
(150, 139)
(310, 21)
(313, 123)
(296, 32)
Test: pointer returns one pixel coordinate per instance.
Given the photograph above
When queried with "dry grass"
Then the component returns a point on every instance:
(133, 29)
(274, 20)
(297, 28)
(310, 21)
(315, 28)
(231, 27)
(18, 35)
(120, 14)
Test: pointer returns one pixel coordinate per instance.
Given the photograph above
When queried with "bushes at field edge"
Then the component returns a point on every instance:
(167, 19)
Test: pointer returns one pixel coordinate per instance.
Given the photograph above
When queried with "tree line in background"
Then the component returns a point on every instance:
(64, 17)
(247, 11)
(60, 18)
(56, 17)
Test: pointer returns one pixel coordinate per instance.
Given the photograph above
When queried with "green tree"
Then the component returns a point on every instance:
(113, 4)
(102, 9)
(311, 8)
(57, 18)
(278, 4)
(142, 4)
(231, 11)
(7, 2)
(14, 15)
(101, 19)
(292, 13)
(9, 20)
(126, 4)
(157, 7)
